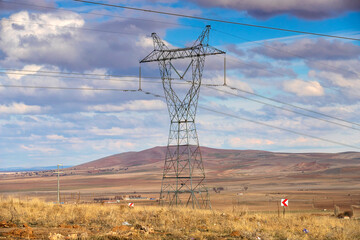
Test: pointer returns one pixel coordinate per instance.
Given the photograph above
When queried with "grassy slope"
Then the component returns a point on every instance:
(95, 221)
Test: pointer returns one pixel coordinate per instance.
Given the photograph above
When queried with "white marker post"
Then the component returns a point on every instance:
(284, 203)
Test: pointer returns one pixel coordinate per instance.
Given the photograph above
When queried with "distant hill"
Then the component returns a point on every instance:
(227, 161)
(31, 169)
(231, 169)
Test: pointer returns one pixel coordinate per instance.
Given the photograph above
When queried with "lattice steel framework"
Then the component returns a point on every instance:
(183, 180)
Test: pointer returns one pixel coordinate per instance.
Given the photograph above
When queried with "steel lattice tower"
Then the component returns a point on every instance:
(183, 180)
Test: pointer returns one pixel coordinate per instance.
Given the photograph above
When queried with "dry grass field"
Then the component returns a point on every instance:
(251, 185)
(36, 219)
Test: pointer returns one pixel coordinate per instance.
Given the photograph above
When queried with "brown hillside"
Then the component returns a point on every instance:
(229, 161)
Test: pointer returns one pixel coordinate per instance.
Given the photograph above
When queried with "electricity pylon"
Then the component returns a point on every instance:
(183, 181)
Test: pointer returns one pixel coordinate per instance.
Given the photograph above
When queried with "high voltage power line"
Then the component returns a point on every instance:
(208, 85)
(69, 88)
(202, 107)
(216, 20)
(96, 14)
(292, 105)
(82, 28)
(284, 109)
(72, 73)
(211, 86)
(128, 33)
(71, 77)
(284, 51)
(275, 127)
(269, 70)
(163, 22)
(264, 124)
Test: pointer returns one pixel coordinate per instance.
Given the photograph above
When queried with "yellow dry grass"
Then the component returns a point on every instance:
(97, 221)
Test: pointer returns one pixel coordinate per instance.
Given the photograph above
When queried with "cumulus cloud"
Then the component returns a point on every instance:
(41, 38)
(56, 137)
(137, 132)
(234, 49)
(230, 80)
(308, 9)
(10, 6)
(342, 75)
(249, 142)
(59, 39)
(347, 68)
(135, 105)
(33, 148)
(309, 48)
(26, 70)
(304, 88)
(349, 86)
(21, 108)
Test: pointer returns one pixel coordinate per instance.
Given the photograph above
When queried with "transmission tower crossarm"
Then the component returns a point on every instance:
(180, 53)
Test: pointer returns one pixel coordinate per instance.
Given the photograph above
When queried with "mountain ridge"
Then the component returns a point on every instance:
(231, 159)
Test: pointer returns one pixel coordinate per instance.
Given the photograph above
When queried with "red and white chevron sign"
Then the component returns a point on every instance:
(131, 204)
(284, 202)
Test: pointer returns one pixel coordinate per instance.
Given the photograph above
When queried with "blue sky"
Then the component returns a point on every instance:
(40, 127)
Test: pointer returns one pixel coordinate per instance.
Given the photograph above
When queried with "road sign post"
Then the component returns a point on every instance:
(284, 203)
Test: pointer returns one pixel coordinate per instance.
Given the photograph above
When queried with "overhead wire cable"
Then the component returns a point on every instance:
(93, 79)
(262, 123)
(69, 88)
(282, 108)
(128, 33)
(215, 20)
(291, 105)
(202, 107)
(279, 128)
(261, 43)
(95, 14)
(178, 24)
(267, 70)
(73, 73)
(70, 77)
(113, 77)
(81, 28)
(206, 85)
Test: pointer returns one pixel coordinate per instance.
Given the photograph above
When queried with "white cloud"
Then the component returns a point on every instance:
(55, 137)
(145, 42)
(113, 145)
(319, 48)
(33, 148)
(140, 132)
(27, 70)
(248, 142)
(304, 88)
(308, 9)
(350, 84)
(135, 105)
(21, 108)
(24, 36)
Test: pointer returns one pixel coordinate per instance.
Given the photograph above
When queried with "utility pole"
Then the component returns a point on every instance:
(58, 183)
(183, 181)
